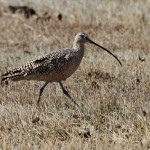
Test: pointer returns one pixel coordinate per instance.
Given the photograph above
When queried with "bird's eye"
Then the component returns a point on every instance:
(83, 36)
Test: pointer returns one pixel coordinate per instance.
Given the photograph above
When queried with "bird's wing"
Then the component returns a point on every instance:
(41, 65)
(48, 62)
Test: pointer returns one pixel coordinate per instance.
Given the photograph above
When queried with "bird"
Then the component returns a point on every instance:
(55, 66)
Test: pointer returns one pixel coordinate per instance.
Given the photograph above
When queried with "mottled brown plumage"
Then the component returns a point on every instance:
(53, 67)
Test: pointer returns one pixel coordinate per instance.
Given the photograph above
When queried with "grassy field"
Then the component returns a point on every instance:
(114, 101)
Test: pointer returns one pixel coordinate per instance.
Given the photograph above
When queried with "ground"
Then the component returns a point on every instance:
(114, 101)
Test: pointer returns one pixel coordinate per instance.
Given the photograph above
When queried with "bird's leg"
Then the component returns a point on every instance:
(41, 91)
(67, 94)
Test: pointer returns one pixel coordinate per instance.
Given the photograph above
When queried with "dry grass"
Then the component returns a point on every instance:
(114, 101)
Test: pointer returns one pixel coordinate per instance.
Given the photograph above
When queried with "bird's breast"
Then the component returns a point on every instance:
(68, 69)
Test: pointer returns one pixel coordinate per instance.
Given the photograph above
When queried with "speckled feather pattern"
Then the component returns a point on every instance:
(54, 67)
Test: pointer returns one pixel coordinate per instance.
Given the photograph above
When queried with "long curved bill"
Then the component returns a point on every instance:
(90, 41)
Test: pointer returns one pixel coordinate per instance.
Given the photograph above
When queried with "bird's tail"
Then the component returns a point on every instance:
(14, 75)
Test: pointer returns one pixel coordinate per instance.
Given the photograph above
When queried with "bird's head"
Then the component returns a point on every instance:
(82, 38)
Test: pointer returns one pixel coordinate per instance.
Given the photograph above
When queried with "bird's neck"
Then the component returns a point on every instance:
(79, 50)
(78, 46)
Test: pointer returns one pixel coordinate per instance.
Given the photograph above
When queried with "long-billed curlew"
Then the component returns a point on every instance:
(56, 66)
